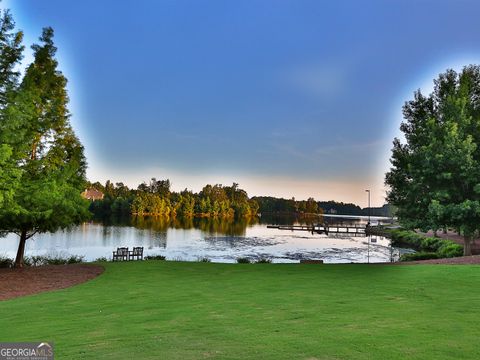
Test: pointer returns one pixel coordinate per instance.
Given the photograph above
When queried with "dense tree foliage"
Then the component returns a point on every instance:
(39, 150)
(10, 55)
(157, 199)
(435, 176)
(211, 201)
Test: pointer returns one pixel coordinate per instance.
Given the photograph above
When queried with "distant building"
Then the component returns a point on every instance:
(92, 194)
(332, 211)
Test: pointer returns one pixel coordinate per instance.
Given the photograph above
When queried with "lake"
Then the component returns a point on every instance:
(218, 240)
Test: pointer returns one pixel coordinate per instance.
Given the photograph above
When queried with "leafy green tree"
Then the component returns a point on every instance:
(186, 204)
(435, 176)
(9, 176)
(160, 187)
(47, 153)
(311, 206)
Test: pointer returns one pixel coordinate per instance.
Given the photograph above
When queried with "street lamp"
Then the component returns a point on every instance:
(369, 236)
(368, 191)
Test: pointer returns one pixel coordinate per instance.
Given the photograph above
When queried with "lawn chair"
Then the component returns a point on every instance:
(136, 254)
(121, 254)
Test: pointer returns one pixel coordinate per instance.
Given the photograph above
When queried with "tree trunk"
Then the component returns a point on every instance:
(21, 249)
(467, 247)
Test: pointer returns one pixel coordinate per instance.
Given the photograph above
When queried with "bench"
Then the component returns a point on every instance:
(136, 254)
(307, 261)
(121, 254)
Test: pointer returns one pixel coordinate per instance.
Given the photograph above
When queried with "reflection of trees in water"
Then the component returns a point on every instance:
(156, 223)
(156, 229)
(231, 227)
(182, 223)
(160, 224)
(291, 219)
(112, 220)
(224, 226)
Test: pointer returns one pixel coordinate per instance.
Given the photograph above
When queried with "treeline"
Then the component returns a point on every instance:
(157, 199)
(272, 205)
(333, 207)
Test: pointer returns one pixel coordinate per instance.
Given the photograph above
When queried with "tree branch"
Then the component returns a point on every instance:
(30, 235)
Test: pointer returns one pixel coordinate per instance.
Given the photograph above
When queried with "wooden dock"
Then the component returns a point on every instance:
(324, 229)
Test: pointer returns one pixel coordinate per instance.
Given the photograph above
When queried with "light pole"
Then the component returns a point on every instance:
(368, 191)
(368, 240)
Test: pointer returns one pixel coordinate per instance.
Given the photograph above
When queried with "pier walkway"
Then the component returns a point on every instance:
(324, 229)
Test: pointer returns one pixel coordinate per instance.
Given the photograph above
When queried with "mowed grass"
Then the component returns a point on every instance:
(175, 310)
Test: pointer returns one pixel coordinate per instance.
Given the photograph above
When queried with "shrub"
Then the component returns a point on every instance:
(101, 259)
(450, 249)
(5, 262)
(203, 259)
(34, 260)
(431, 243)
(425, 245)
(243, 260)
(42, 260)
(154, 257)
(406, 238)
(419, 256)
(52, 259)
(75, 259)
(178, 258)
(263, 261)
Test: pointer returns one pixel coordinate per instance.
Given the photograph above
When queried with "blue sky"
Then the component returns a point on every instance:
(288, 98)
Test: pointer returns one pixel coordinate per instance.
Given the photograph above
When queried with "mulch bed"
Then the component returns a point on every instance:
(33, 280)
(463, 260)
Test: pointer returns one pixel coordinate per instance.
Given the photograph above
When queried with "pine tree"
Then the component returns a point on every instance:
(48, 154)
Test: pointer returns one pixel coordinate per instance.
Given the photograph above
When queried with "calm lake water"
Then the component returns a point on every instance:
(220, 241)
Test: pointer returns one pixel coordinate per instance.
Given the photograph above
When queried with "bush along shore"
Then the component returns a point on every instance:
(42, 260)
(425, 247)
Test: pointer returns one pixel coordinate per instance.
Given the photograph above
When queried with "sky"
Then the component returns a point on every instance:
(287, 98)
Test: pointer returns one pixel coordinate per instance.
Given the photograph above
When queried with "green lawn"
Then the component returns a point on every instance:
(175, 310)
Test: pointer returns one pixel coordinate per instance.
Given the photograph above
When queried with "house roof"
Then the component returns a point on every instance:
(92, 194)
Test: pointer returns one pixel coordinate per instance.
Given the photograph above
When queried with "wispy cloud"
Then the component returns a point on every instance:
(288, 149)
(350, 147)
(323, 80)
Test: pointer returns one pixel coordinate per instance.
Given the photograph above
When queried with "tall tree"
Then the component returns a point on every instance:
(48, 154)
(435, 176)
(11, 49)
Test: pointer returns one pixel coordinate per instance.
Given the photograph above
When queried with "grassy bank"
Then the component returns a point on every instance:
(174, 310)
